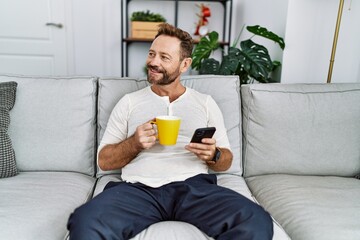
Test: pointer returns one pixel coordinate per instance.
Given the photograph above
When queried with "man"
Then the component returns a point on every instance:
(167, 183)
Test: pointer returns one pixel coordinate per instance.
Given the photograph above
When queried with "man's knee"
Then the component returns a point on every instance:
(82, 220)
(261, 222)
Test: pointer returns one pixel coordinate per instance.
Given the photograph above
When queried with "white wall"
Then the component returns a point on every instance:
(309, 37)
(96, 37)
(270, 14)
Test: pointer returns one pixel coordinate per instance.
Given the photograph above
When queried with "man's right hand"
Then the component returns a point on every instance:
(145, 136)
(115, 156)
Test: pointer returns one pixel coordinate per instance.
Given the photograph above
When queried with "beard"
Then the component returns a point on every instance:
(167, 78)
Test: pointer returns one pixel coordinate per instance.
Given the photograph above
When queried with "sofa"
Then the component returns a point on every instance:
(296, 152)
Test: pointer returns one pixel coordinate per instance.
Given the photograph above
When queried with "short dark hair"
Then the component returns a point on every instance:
(186, 41)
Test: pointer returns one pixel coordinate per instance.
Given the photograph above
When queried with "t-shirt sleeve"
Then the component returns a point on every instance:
(215, 118)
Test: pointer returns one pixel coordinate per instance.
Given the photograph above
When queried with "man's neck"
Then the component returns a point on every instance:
(173, 90)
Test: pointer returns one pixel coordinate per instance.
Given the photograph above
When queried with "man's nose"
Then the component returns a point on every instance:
(154, 61)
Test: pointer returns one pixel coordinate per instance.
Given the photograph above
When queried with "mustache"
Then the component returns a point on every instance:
(155, 68)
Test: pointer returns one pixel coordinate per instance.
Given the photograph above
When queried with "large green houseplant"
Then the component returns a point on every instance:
(251, 61)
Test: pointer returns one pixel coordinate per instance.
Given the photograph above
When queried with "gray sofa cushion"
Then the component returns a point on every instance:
(53, 123)
(224, 89)
(311, 207)
(171, 230)
(305, 129)
(36, 205)
(7, 155)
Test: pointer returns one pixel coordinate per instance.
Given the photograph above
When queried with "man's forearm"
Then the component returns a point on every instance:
(116, 156)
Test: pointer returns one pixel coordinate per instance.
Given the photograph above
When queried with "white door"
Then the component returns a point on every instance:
(33, 37)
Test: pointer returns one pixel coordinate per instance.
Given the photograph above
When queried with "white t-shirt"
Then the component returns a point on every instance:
(160, 164)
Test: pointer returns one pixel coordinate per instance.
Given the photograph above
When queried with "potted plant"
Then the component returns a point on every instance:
(251, 61)
(144, 24)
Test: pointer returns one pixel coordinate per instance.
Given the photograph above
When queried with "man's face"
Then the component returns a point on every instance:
(163, 61)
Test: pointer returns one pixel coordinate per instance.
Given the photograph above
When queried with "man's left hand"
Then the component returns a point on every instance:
(204, 150)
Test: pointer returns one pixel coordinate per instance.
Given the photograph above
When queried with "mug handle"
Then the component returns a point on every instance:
(154, 122)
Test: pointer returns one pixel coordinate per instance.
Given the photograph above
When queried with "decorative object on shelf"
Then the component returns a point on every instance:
(250, 61)
(201, 26)
(144, 25)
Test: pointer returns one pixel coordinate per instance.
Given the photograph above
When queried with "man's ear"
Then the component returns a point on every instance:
(185, 64)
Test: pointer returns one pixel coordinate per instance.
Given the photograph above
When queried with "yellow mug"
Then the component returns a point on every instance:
(167, 129)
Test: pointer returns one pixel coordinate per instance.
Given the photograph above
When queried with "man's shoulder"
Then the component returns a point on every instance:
(198, 95)
(134, 96)
(139, 93)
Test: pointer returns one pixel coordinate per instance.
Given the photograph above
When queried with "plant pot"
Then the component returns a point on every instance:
(144, 30)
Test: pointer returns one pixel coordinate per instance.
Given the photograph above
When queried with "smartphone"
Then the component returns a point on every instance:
(201, 133)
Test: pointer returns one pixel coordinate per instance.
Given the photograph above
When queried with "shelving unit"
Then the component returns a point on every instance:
(126, 40)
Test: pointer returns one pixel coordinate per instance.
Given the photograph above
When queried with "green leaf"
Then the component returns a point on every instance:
(263, 32)
(204, 48)
(209, 66)
(255, 60)
(230, 63)
(251, 61)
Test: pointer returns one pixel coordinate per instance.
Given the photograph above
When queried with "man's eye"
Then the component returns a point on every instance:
(151, 54)
(165, 58)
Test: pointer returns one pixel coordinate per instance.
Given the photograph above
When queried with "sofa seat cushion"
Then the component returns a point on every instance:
(171, 230)
(311, 207)
(36, 205)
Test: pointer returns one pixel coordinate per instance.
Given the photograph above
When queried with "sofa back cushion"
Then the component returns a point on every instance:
(224, 89)
(53, 123)
(305, 129)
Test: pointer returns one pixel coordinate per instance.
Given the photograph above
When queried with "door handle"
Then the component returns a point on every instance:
(58, 25)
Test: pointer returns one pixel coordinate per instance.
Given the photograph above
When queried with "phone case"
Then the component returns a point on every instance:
(201, 133)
